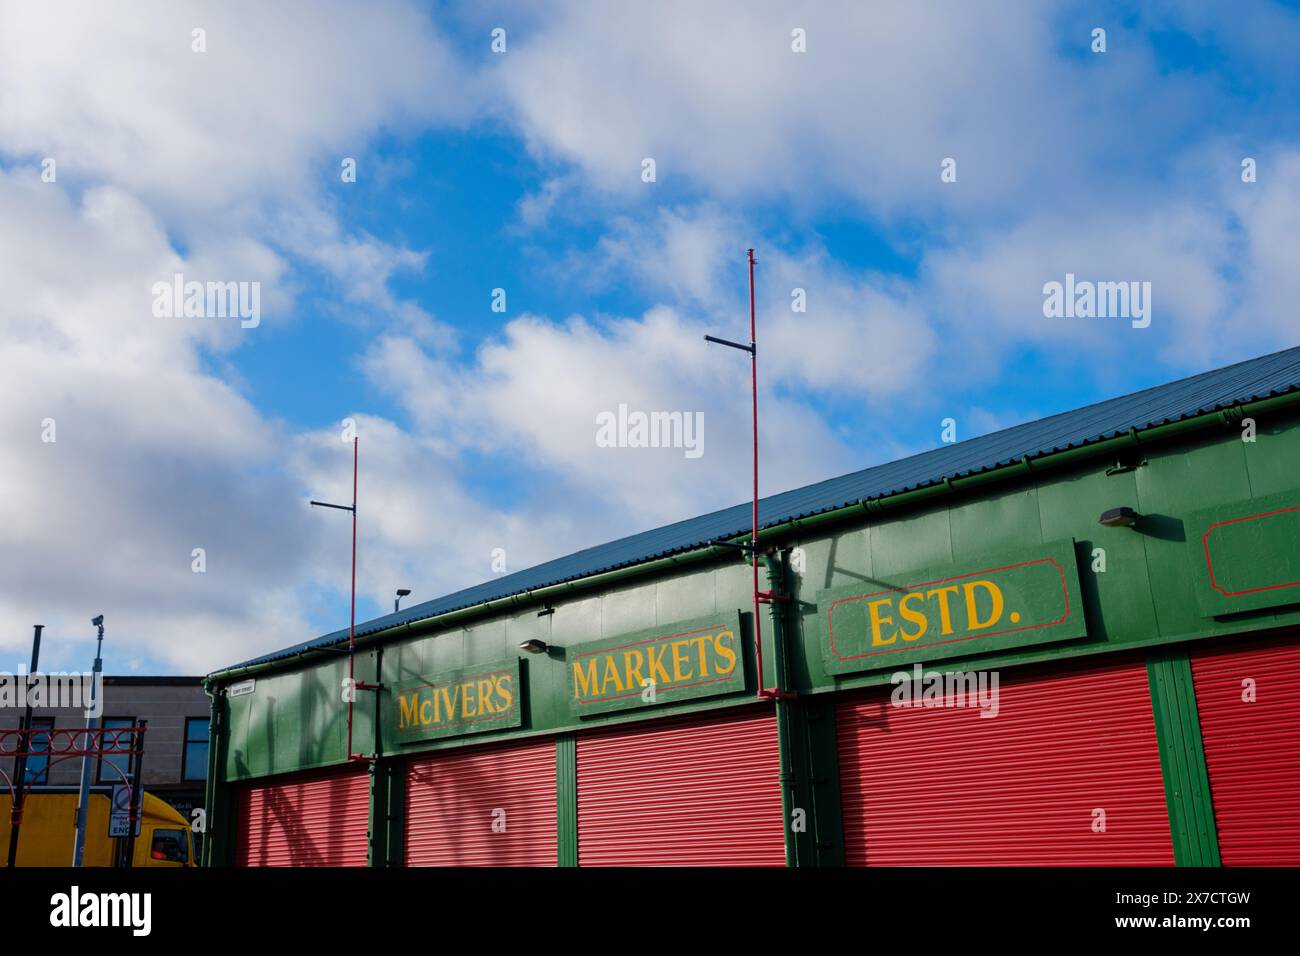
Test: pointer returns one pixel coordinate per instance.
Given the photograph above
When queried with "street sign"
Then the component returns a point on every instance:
(119, 817)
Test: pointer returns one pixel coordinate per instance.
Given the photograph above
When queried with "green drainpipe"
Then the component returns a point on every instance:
(785, 736)
(216, 795)
(1227, 418)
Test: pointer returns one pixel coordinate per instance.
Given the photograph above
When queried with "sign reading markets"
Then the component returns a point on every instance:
(463, 701)
(699, 658)
(1025, 597)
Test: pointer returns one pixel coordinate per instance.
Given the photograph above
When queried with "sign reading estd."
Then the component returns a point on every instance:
(462, 701)
(1026, 597)
(699, 658)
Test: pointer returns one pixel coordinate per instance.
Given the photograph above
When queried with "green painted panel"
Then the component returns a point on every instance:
(835, 561)
(660, 665)
(1112, 561)
(923, 540)
(466, 700)
(291, 721)
(1271, 458)
(997, 522)
(628, 609)
(1008, 600)
(685, 597)
(1243, 556)
(1174, 483)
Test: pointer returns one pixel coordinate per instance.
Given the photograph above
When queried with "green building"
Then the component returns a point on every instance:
(1074, 641)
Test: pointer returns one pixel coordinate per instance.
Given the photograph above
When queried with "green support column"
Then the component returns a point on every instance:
(806, 800)
(824, 780)
(566, 797)
(1182, 759)
(387, 805)
(218, 817)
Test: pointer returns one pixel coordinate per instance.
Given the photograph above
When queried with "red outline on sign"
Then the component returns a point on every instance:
(469, 720)
(652, 640)
(1205, 542)
(1065, 591)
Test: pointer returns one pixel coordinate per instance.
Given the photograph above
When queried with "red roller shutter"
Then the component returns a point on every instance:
(1252, 750)
(946, 787)
(316, 819)
(701, 792)
(451, 799)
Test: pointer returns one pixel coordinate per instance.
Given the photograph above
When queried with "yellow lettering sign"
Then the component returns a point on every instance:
(972, 616)
(912, 616)
(877, 621)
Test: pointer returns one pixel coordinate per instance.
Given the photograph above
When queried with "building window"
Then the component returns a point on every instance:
(38, 768)
(110, 741)
(194, 763)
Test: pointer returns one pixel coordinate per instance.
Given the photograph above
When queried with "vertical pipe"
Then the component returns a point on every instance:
(215, 736)
(83, 796)
(20, 765)
(785, 736)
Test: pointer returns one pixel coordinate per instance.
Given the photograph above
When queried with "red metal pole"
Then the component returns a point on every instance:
(753, 383)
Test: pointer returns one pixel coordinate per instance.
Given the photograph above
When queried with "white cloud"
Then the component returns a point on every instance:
(884, 92)
(216, 165)
(283, 93)
(537, 391)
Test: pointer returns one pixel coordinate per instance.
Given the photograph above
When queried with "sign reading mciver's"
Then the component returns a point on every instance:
(463, 701)
(698, 658)
(1026, 597)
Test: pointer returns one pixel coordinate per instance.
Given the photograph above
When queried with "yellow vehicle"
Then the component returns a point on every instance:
(50, 824)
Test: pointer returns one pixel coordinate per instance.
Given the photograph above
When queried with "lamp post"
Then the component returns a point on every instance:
(25, 743)
(83, 797)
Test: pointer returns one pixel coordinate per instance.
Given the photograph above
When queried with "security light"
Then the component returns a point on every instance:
(401, 593)
(1119, 518)
(534, 646)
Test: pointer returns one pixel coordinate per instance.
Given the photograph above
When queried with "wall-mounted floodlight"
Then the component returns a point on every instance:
(1119, 518)
(534, 646)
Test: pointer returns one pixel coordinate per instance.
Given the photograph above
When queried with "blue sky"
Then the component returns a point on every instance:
(521, 170)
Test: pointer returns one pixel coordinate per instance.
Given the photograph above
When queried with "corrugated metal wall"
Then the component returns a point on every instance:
(702, 792)
(454, 799)
(947, 787)
(1252, 749)
(317, 819)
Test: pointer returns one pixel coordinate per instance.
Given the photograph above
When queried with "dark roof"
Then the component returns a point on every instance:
(1222, 388)
(136, 680)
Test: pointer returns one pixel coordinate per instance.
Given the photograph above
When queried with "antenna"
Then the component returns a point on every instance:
(751, 547)
(352, 620)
